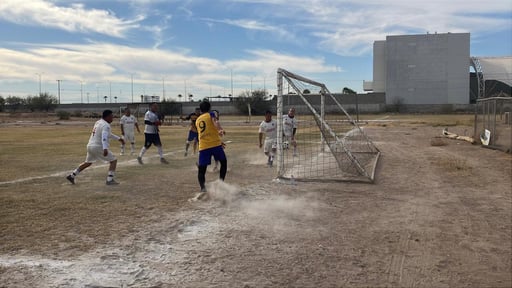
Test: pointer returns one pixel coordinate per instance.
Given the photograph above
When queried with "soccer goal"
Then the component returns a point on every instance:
(330, 145)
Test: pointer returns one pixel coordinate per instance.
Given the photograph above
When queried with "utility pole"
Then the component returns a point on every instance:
(132, 87)
(58, 89)
(231, 82)
(39, 74)
(163, 88)
(81, 92)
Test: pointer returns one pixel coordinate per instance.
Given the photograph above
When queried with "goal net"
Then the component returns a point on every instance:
(330, 145)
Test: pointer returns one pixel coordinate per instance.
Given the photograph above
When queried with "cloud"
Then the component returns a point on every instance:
(74, 18)
(349, 28)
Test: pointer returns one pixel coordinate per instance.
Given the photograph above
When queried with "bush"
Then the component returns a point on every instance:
(63, 115)
(77, 113)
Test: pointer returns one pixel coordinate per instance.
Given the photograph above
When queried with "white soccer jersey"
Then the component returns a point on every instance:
(269, 128)
(101, 134)
(288, 125)
(128, 123)
(151, 117)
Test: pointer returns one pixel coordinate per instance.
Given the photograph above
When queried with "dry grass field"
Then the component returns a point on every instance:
(438, 215)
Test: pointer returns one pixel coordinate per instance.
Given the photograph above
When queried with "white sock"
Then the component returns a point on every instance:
(160, 151)
(75, 173)
(142, 151)
(110, 176)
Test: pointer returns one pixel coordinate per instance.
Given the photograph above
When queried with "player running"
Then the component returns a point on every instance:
(98, 148)
(210, 144)
(192, 133)
(128, 124)
(268, 127)
(151, 133)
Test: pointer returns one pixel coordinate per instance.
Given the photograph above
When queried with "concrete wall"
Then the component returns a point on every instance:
(366, 103)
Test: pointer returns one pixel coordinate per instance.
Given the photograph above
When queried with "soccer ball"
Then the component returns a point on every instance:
(286, 145)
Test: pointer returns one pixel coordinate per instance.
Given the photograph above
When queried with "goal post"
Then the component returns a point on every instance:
(331, 146)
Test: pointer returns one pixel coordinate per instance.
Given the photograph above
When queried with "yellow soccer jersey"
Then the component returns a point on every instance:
(208, 133)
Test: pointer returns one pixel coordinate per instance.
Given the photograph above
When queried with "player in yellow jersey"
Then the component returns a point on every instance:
(210, 144)
(192, 133)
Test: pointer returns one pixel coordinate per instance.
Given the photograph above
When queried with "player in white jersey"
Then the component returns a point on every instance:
(151, 133)
(289, 129)
(268, 127)
(98, 148)
(128, 124)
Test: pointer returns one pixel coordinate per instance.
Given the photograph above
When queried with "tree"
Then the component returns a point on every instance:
(46, 102)
(14, 103)
(2, 104)
(306, 91)
(347, 90)
(256, 100)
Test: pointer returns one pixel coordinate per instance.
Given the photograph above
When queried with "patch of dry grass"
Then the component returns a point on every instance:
(438, 141)
(453, 165)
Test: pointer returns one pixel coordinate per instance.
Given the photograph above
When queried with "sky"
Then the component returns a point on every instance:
(126, 48)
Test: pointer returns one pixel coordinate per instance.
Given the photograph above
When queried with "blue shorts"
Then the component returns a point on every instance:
(192, 136)
(152, 139)
(205, 156)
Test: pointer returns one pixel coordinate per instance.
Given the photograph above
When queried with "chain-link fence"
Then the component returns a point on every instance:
(493, 122)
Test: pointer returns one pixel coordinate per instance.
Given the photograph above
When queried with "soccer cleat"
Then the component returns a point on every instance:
(186, 153)
(122, 153)
(70, 179)
(112, 182)
(139, 159)
(163, 161)
(203, 190)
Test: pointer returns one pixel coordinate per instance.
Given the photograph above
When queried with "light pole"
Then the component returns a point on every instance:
(58, 88)
(97, 93)
(132, 87)
(163, 88)
(81, 92)
(231, 81)
(185, 90)
(39, 74)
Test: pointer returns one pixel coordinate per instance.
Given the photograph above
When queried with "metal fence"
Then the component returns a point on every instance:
(493, 122)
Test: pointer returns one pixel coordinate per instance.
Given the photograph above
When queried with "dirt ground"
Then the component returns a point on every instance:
(438, 215)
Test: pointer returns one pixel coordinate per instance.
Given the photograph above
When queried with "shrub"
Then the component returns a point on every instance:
(63, 115)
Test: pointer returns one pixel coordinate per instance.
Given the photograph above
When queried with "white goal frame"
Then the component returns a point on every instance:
(357, 165)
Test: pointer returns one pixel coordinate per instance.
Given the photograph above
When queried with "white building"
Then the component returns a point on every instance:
(422, 69)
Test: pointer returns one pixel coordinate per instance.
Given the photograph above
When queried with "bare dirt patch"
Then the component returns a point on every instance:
(437, 216)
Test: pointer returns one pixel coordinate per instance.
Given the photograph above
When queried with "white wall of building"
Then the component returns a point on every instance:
(423, 69)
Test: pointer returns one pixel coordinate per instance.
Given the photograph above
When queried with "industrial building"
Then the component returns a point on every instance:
(434, 69)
